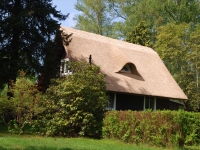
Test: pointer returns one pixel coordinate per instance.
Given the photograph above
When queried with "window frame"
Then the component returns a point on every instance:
(148, 99)
(113, 101)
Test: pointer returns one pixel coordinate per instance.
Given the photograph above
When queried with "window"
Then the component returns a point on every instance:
(126, 68)
(62, 67)
(65, 68)
(150, 103)
(129, 68)
(112, 101)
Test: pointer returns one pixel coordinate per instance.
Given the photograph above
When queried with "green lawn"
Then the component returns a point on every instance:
(27, 142)
(16, 142)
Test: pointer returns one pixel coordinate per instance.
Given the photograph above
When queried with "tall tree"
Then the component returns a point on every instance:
(26, 27)
(94, 17)
(51, 63)
(177, 11)
(155, 13)
(178, 46)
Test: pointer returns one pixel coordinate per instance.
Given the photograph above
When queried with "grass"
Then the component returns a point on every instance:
(17, 142)
(29, 142)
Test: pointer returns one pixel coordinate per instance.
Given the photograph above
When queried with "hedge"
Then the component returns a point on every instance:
(161, 128)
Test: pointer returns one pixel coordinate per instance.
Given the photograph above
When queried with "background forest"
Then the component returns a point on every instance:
(170, 27)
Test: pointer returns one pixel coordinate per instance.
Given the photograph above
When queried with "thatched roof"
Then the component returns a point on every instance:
(148, 76)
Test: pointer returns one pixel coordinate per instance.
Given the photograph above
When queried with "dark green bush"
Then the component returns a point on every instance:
(75, 104)
(161, 128)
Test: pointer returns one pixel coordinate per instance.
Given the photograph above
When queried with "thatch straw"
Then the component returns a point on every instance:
(111, 55)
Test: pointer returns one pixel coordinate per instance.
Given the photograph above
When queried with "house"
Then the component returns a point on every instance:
(136, 77)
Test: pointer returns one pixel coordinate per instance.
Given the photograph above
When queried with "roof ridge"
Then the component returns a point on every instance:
(117, 42)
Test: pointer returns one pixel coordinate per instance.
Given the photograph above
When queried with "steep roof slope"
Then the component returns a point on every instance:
(149, 75)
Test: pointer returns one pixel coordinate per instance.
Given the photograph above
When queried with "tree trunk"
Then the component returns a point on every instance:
(15, 43)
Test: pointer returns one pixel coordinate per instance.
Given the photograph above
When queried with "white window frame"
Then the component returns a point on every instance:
(114, 103)
(64, 67)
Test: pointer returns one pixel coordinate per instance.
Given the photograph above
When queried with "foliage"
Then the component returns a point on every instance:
(121, 16)
(75, 103)
(155, 13)
(161, 128)
(140, 35)
(177, 11)
(23, 106)
(26, 33)
(129, 13)
(94, 17)
(181, 56)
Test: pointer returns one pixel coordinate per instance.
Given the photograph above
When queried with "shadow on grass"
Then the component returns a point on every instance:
(33, 148)
(1, 148)
(190, 148)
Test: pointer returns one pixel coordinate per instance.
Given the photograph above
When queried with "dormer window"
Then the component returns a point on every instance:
(126, 68)
(129, 68)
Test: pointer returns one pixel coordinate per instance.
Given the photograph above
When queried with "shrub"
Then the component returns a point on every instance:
(23, 106)
(5, 106)
(75, 104)
(161, 128)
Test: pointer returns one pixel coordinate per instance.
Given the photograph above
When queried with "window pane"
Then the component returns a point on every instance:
(111, 103)
(111, 100)
(149, 103)
(62, 67)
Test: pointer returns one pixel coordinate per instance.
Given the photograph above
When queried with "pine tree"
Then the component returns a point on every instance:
(26, 28)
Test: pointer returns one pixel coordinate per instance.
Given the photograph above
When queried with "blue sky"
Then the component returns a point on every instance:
(66, 6)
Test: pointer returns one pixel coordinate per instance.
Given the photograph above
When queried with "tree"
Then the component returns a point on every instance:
(75, 104)
(155, 13)
(26, 29)
(140, 35)
(130, 13)
(181, 56)
(177, 11)
(94, 17)
(53, 55)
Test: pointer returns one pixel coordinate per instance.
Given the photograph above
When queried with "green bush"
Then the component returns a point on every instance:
(5, 106)
(19, 110)
(161, 128)
(75, 104)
